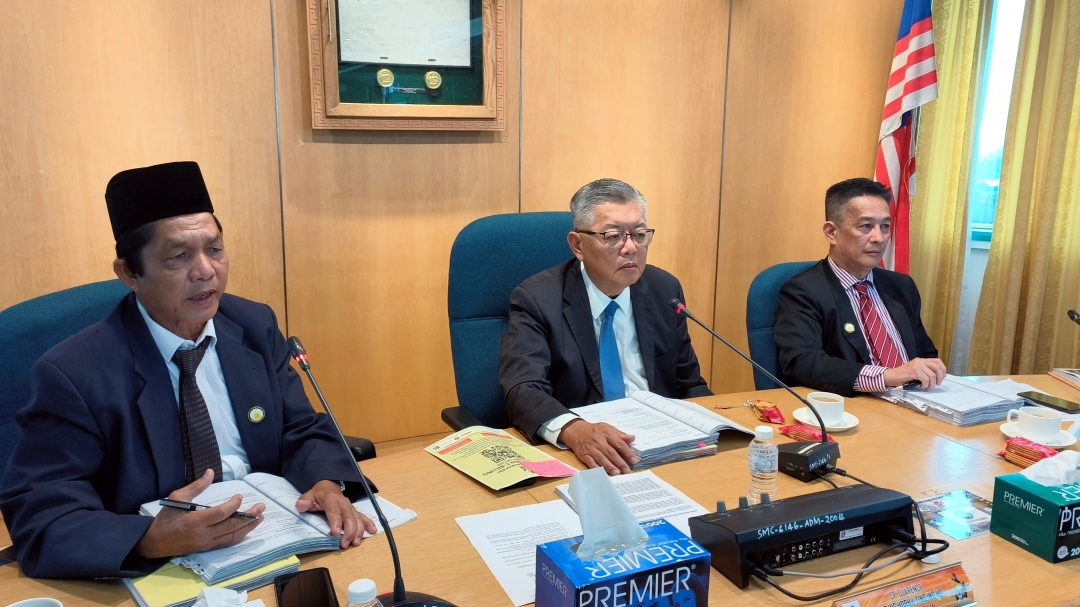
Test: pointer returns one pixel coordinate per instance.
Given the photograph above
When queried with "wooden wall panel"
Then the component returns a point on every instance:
(92, 88)
(369, 221)
(806, 84)
(635, 91)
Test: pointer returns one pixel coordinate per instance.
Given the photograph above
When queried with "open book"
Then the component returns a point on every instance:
(283, 532)
(664, 429)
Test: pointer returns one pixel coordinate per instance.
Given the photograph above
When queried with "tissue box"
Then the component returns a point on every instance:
(1045, 521)
(669, 569)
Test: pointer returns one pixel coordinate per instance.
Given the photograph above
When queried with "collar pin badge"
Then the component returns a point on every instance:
(256, 414)
(849, 328)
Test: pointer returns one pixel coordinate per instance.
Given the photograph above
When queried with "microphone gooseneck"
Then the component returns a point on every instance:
(680, 308)
(399, 597)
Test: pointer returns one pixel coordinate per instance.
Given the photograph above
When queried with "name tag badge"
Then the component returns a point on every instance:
(256, 414)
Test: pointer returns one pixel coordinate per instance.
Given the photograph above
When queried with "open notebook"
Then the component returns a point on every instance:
(283, 532)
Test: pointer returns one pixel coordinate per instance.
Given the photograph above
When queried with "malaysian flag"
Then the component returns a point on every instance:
(912, 83)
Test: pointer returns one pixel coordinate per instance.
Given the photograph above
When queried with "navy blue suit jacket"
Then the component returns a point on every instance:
(101, 436)
(814, 349)
(550, 361)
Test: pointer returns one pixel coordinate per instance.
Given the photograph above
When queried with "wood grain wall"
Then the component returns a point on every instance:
(89, 89)
(369, 221)
(635, 91)
(806, 85)
(354, 244)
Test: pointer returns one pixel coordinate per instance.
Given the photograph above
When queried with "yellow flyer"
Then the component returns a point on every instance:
(496, 458)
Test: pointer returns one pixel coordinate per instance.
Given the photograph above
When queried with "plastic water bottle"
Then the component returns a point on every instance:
(362, 594)
(763, 465)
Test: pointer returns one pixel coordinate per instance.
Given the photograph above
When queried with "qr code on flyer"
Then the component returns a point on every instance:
(500, 453)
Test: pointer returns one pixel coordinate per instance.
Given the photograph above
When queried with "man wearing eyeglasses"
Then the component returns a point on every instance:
(596, 328)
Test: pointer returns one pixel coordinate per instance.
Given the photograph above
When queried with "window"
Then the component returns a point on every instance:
(993, 114)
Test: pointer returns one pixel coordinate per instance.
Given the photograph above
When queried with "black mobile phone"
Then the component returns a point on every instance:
(308, 588)
(1050, 401)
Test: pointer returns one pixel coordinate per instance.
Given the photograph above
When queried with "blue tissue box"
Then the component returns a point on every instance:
(670, 569)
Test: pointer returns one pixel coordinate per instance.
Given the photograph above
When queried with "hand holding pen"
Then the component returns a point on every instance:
(183, 527)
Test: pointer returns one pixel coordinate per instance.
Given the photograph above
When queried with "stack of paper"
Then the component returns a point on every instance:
(963, 402)
(1069, 376)
(176, 586)
(507, 539)
(664, 430)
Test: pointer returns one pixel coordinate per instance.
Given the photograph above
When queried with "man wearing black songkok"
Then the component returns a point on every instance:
(180, 386)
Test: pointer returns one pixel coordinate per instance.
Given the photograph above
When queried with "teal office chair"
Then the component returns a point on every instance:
(489, 258)
(761, 302)
(29, 329)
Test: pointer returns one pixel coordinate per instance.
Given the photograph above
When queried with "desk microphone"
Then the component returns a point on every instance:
(1073, 316)
(399, 597)
(799, 460)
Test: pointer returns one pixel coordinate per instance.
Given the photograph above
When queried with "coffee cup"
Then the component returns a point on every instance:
(38, 602)
(829, 406)
(1036, 423)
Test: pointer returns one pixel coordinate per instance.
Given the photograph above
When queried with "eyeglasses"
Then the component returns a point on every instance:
(615, 239)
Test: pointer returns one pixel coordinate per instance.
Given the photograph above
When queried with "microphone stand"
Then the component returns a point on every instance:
(798, 460)
(399, 597)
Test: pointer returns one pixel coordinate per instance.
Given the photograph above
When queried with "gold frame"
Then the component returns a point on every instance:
(328, 112)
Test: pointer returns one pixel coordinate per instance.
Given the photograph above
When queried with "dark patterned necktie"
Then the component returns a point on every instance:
(196, 430)
(883, 350)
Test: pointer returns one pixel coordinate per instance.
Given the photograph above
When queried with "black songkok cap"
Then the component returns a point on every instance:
(137, 197)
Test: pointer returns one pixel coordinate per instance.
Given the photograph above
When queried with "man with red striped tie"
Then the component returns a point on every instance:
(847, 325)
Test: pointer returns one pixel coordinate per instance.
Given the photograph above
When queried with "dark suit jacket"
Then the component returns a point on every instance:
(814, 349)
(550, 361)
(101, 436)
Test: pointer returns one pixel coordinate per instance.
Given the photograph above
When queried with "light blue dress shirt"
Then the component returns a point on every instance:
(211, 381)
(633, 368)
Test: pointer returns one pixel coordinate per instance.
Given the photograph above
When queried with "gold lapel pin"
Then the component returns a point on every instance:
(849, 328)
(256, 414)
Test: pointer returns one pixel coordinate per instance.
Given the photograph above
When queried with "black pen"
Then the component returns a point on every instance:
(190, 507)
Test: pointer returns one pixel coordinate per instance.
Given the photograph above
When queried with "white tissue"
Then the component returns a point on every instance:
(1053, 471)
(220, 597)
(606, 520)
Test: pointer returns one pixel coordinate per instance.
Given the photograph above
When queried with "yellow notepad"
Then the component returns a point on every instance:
(173, 585)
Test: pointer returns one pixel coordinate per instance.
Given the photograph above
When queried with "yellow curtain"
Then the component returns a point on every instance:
(1033, 272)
(946, 140)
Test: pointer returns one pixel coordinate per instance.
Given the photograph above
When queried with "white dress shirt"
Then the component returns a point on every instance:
(633, 368)
(211, 381)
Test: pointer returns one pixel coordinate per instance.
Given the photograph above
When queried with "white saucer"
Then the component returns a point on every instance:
(1062, 440)
(805, 416)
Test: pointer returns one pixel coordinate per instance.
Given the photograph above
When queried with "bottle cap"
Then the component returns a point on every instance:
(362, 591)
(763, 432)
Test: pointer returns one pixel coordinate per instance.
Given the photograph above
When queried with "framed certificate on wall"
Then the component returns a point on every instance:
(407, 64)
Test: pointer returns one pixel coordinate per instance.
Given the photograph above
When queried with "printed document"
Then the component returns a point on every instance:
(507, 541)
(650, 497)
(405, 32)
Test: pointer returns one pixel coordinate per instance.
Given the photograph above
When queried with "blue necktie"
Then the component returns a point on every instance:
(610, 365)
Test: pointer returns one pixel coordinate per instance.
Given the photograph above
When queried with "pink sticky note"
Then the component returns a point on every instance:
(551, 468)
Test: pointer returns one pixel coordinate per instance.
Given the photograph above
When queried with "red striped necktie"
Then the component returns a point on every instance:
(882, 348)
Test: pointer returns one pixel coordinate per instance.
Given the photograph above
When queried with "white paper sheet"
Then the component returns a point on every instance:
(507, 540)
(650, 497)
(405, 32)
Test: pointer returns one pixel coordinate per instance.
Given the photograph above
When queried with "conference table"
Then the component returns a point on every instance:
(891, 447)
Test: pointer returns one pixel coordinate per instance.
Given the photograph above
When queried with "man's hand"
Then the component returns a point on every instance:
(599, 445)
(929, 372)
(175, 532)
(344, 519)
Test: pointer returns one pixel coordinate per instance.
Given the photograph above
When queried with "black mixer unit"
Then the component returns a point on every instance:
(799, 528)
